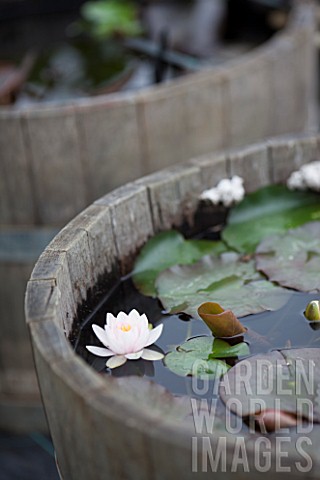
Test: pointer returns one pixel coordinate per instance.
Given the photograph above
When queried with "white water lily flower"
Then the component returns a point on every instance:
(228, 192)
(126, 338)
(296, 181)
(308, 176)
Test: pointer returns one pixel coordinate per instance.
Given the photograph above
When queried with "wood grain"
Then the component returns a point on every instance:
(17, 199)
(131, 221)
(289, 153)
(252, 164)
(249, 100)
(56, 162)
(110, 139)
(213, 168)
(170, 189)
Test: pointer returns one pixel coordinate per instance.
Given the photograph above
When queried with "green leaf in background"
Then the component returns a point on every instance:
(270, 210)
(224, 279)
(194, 358)
(110, 17)
(293, 259)
(165, 250)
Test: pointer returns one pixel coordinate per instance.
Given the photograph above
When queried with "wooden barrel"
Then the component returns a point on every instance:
(96, 144)
(20, 403)
(103, 427)
(101, 143)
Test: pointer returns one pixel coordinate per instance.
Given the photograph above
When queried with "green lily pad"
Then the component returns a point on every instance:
(222, 349)
(292, 259)
(163, 251)
(200, 357)
(268, 211)
(224, 279)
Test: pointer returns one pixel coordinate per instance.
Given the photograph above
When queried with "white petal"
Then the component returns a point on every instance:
(134, 356)
(123, 317)
(144, 321)
(154, 334)
(110, 318)
(116, 361)
(101, 334)
(141, 340)
(135, 319)
(123, 342)
(134, 314)
(114, 340)
(151, 355)
(100, 352)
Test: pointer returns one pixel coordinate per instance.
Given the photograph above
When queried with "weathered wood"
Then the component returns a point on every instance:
(43, 300)
(163, 197)
(213, 168)
(96, 221)
(252, 164)
(287, 155)
(205, 114)
(60, 260)
(16, 187)
(54, 265)
(249, 100)
(169, 189)
(60, 360)
(131, 220)
(109, 133)
(74, 242)
(164, 125)
(285, 87)
(307, 150)
(92, 229)
(306, 77)
(59, 187)
(282, 157)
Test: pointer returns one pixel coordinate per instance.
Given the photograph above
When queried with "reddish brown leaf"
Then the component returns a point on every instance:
(222, 323)
(272, 420)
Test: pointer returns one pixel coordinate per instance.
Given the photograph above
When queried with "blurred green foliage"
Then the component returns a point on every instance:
(110, 18)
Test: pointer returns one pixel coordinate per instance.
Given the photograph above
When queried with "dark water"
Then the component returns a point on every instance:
(286, 327)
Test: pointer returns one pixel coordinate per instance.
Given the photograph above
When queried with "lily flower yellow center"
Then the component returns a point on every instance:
(125, 328)
(125, 337)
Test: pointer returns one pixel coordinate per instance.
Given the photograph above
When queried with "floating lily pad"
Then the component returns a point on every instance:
(163, 251)
(225, 279)
(222, 349)
(292, 259)
(280, 380)
(271, 210)
(199, 357)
